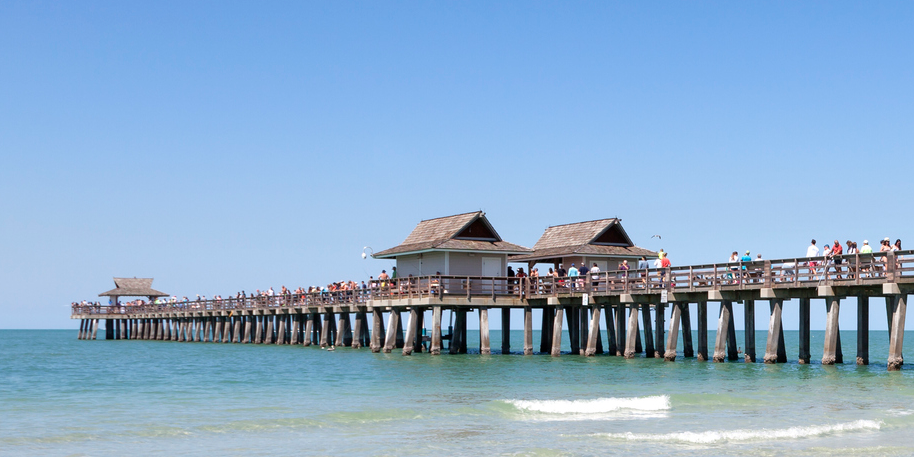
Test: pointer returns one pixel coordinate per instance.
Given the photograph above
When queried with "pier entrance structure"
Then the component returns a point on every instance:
(463, 244)
(116, 329)
(602, 242)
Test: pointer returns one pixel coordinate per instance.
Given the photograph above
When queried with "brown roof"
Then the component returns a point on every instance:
(442, 234)
(133, 287)
(580, 238)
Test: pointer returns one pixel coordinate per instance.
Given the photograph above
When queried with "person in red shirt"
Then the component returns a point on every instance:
(836, 252)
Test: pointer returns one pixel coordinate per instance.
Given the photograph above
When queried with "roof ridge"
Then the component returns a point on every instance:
(452, 215)
(584, 222)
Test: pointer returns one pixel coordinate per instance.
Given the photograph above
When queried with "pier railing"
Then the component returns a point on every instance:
(802, 272)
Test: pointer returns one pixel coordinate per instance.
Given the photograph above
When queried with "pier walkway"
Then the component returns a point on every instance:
(578, 302)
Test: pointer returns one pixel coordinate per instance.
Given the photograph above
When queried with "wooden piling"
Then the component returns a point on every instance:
(365, 340)
(94, 329)
(804, 353)
(749, 333)
(649, 350)
(659, 314)
(341, 328)
(506, 331)
(673, 337)
(281, 329)
(633, 337)
(411, 331)
(546, 332)
(217, 329)
(134, 334)
(571, 319)
(82, 327)
(775, 332)
(593, 332)
(484, 345)
(621, 340)
(207, 329)
(896, 337)
(122, 329)
(702, 330)
(833, 305)
(435, 348)
(528, 330)
(723, 327)
(687, 348)
(583, 326)
(357, 330)
(608, 315)
(458, 344)
(377, 328)
(318, 328)
(732, 348)
(309, 329)
(863, 330)
(391, 341)
(556, 349)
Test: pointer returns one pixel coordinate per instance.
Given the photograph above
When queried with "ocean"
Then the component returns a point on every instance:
(62, 396)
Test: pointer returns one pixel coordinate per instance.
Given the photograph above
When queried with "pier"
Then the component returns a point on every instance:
(623, 302)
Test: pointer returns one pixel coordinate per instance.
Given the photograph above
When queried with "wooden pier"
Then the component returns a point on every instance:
(355, 318)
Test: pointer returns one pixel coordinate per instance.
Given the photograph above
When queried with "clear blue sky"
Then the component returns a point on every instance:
(220, 146)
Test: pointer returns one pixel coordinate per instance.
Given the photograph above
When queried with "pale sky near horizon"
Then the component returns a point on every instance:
(221, 146)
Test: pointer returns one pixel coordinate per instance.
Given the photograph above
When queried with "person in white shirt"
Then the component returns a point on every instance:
(813, 251)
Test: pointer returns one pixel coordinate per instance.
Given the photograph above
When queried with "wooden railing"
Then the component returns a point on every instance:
(803, 272)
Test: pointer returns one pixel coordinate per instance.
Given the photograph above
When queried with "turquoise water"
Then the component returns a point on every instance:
(61, 396)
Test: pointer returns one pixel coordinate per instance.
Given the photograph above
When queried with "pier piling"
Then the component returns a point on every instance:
(556, 349)
(632, 335)
(863, 330)
(484, 345)
(775, 341)
(673, 337)
(829, 353)
(896, 338)
(528, 330)
(749, 332)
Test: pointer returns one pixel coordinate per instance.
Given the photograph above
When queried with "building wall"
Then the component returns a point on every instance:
(425, 264)
(466, 264)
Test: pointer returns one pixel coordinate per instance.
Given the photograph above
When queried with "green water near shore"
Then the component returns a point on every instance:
(61, 396)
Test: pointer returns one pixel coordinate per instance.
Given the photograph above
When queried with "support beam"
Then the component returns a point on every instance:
(659, 314)
(749, 332)
(649, 351)
(673, 338)
(435, 348)
(571, 318)
(804, 354)
(528, 330)
(702, 330)
(377, 329)
(556, 349)
(687, 349)
(593, 332)
(392, 324)
(775, 332)
(357, 329)
(411, 331)
(546, 329)
(217, 331)
(484, 345)
(621, 340)
(506, 331)
(829, 352)
(863, 330)
(608, 315)
(723, 330)
(896, 338)
(631, 342)
(94, 328)
(281, 329)
(309, 329)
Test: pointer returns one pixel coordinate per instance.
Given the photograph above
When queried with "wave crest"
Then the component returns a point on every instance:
(716, 436)
(594, 406)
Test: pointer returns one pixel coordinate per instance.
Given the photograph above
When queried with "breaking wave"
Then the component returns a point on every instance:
(717, 436)
(595, 406)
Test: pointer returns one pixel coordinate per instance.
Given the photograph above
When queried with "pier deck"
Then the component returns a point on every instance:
(311, 318)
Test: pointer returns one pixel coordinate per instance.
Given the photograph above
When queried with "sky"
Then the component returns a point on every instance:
(221, 146)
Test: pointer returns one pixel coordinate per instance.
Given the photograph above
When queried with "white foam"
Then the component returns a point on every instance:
(595, 406)
(716, 436)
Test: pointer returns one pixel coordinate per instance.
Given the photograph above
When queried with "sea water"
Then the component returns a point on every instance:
(62, 396)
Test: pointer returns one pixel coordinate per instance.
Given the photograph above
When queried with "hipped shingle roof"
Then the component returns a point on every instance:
(578, 239)
(440, 233)
(133, 287)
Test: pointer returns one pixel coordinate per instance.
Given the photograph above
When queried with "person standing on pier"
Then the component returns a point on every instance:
(836, 252)
(813, 251)
(573, 275)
